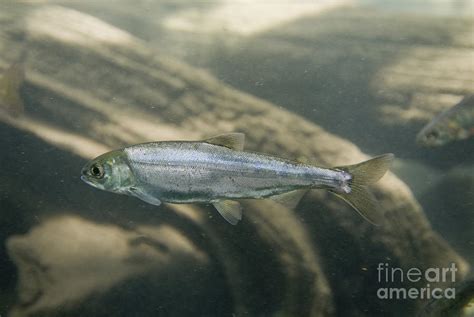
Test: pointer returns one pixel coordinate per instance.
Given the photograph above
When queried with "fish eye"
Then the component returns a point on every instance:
(97, 171)
(432, 135)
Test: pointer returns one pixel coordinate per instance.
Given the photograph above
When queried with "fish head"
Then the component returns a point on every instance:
(434, 136)
(109, 171)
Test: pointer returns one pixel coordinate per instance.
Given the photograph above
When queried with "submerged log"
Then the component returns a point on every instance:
(91, 87)
(91, 258)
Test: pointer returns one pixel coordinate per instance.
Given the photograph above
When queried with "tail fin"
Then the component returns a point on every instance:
(364, 174)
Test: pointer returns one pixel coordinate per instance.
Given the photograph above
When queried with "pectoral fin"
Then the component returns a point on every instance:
(145, 196)
(230, 210)
(289, 199)
(233, 141)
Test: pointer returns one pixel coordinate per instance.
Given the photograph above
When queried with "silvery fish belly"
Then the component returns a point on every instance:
(218, 171)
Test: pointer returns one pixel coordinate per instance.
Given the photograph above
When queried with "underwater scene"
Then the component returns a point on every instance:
(237, 158)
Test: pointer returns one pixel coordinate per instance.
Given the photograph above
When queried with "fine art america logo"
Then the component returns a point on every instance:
(388, 276)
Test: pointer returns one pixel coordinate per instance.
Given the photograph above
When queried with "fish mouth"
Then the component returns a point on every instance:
(85, 180)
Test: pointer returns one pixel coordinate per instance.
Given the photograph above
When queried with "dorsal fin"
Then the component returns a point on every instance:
(303, 160)
(234, 141)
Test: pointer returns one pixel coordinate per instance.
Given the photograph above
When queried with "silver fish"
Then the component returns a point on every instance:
(455, 123)
(218, 171)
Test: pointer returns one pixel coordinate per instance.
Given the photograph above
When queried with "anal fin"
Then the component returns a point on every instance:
(230, 210)
(289, 199)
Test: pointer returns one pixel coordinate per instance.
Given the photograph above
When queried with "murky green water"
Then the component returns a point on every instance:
(327, 83)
